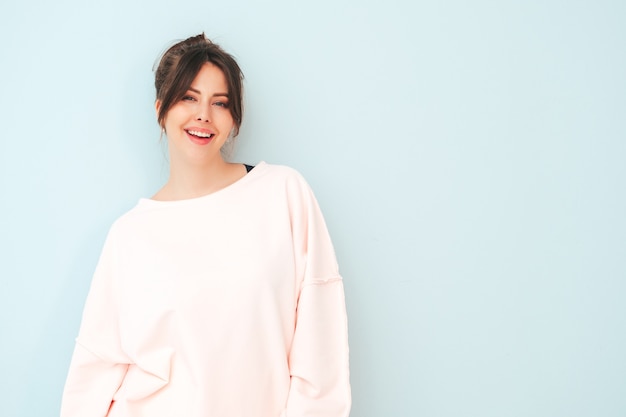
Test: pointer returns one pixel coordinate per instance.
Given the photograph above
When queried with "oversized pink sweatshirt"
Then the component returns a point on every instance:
(227, 305)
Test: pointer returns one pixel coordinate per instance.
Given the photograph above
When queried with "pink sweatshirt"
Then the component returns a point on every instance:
(227, 305)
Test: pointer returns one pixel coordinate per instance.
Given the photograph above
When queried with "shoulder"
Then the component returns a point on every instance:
(129, 220)
(278, 171)
(281, 173)
(284, 180)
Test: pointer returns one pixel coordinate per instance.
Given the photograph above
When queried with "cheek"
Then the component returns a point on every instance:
(173, 116)
(225, 119)
(230, 117)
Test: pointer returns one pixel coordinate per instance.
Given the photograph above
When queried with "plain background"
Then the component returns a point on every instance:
(469, 158)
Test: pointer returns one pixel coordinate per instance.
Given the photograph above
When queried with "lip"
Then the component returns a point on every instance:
(197, 140)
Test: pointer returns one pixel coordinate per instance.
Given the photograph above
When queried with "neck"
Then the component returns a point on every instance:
(190, 181)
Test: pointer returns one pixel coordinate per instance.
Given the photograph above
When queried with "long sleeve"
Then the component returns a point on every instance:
(98, 365)
(225, 305)
(318, 360)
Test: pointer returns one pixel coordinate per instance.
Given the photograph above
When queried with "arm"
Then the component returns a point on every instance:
(320, 385)
(98, 365)
(91, 383)
(318, 360)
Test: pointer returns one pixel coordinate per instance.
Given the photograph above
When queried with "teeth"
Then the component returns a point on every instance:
(200, 134)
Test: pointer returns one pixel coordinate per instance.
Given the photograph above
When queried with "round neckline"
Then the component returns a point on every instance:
(152, 202)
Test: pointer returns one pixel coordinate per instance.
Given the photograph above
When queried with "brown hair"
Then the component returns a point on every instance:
(180, 64)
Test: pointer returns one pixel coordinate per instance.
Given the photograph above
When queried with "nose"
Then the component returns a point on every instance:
(204, 114)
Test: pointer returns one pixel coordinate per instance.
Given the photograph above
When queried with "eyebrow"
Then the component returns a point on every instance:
(214, 95)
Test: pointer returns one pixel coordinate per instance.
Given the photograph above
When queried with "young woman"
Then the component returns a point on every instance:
(220, 295)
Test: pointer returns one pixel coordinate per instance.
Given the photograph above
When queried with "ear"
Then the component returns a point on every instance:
(157, 107)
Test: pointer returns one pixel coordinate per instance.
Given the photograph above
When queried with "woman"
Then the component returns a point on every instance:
(220, 295)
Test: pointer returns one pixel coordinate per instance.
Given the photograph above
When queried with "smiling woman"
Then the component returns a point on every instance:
(199, 102)
(220, 295)
(206, 102)
(197, 127)
(181, 64)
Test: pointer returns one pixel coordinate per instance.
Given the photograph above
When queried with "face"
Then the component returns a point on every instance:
(200, 123)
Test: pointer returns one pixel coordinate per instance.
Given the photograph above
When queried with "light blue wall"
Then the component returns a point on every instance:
(469, 157)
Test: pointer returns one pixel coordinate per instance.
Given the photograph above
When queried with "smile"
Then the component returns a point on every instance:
(199, 134)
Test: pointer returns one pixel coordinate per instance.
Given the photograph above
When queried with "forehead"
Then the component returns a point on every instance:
(210, 78)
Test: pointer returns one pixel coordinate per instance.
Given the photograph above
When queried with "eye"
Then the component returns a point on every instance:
(221, 104)
(188, 98)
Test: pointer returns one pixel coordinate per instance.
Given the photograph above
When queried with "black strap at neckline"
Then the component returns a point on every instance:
(248, 167)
